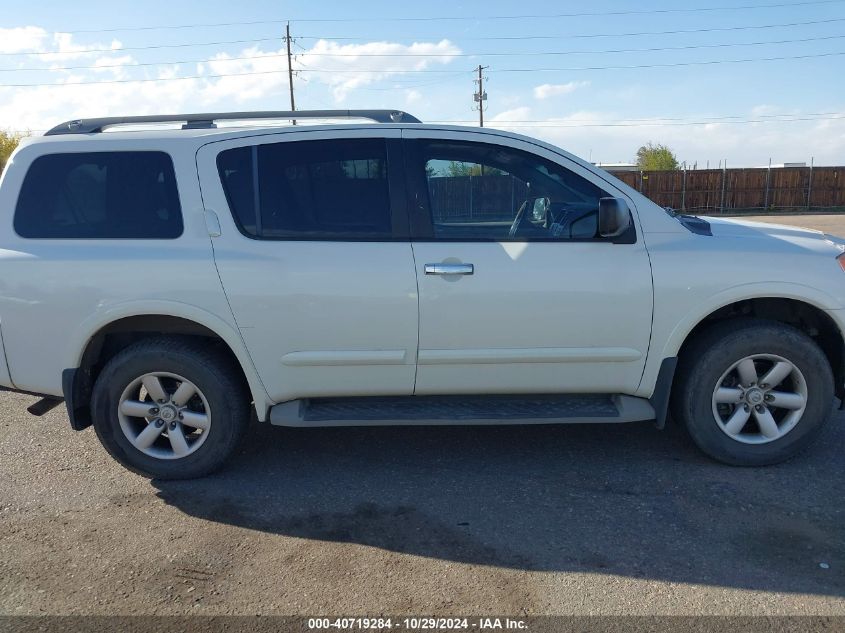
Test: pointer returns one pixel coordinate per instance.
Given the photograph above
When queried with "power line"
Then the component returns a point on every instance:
(660, 120)
(737, 119)
(580, 14)
(702, 120)
(614, 35)
(145, 64)
(544, 124)
(426, 55)
(414, 84)
(427, 71)
(583, 52)
(119, 49)
(580, 68)
(668, 65)
(472, 18)
(500, 38)
(215, 76)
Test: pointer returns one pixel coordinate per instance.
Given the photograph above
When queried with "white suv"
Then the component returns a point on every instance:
(166, 282)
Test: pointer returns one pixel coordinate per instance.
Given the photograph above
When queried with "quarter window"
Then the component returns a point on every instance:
(97, 195)
(489, 192)
(334, 189)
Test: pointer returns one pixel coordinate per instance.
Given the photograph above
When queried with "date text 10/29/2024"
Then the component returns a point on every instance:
(417, 624)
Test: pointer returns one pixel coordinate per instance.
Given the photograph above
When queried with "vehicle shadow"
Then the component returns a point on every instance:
(614, 499)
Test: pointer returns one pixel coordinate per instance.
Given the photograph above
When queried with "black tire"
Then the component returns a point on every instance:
(713, 352)
(212, 372)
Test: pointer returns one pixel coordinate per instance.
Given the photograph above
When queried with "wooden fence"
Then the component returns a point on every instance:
(459, 198)
(727, 190)
(465, 198)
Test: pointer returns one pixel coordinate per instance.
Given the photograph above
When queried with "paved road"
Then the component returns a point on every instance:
(510, 520)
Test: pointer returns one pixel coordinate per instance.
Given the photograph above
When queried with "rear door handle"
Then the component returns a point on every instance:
(449, 269)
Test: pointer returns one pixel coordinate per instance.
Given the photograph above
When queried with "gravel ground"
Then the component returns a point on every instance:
(508, 520)
(515, 520)
(829, 223)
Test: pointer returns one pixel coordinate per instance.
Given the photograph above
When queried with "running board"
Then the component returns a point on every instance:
(460, 410)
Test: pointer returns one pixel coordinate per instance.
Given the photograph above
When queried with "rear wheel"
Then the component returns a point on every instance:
(169, 408)
(753, 392)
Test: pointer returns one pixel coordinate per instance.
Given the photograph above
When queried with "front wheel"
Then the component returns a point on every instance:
(753, 392)
(169, 408)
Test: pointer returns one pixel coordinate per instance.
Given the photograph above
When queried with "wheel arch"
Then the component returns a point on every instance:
(807, 316)
(704, 309)
(99, 338)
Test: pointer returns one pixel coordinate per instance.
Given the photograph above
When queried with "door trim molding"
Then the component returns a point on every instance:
(527, 355)
(345, 357)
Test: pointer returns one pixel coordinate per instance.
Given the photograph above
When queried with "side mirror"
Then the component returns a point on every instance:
(614, 217)
(540, 209)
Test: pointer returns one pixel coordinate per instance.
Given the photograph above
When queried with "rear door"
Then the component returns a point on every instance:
(314, 256)
(518, 293)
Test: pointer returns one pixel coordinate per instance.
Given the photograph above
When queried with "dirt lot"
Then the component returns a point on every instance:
(829, 223)
(520, 520)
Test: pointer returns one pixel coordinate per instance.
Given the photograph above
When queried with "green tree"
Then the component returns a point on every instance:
(460, 168)
(8, 142)
(656, 157)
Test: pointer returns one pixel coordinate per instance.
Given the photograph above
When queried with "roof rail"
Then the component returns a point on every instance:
(206, 120)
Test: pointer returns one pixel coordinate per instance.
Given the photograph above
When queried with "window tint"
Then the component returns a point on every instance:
(332, 189)
(100, 195)
(480, 191)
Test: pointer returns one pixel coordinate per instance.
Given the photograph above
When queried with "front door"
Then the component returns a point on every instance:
(314, 258)
(518, 293)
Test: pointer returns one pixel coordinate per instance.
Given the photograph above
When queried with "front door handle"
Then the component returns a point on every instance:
(449, 269)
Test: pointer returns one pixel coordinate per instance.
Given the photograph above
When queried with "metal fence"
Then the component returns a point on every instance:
(729, 190)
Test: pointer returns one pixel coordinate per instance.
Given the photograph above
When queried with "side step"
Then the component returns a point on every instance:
(460, 410)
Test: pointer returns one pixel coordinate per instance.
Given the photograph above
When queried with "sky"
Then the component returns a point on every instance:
(598, 79)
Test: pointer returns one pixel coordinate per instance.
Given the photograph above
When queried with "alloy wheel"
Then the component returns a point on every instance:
(164, 415)
(759, 399)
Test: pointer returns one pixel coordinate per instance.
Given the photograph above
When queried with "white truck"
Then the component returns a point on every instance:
(169, 283)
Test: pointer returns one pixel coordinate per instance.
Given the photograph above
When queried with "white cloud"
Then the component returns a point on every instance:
(357, 66)
(764, 109)
(24, 39)
(248, 79)
(609, 137)
(66, 49)
(117, 66)
(345, 67)
(544, 91)
(522, 113)
(261, 79)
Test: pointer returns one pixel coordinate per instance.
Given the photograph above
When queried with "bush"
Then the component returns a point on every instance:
(8, 142)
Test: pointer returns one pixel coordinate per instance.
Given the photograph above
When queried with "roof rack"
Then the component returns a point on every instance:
(206, 120)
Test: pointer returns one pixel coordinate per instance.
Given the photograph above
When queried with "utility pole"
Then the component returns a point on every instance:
(480, 97)
(290, 70)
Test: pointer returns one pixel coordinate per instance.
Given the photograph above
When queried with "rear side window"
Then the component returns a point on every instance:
(98, 195)
(317, 190)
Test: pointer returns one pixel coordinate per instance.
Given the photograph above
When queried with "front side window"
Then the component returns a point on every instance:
(488, 192)
(98, 195)
(333, 189)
